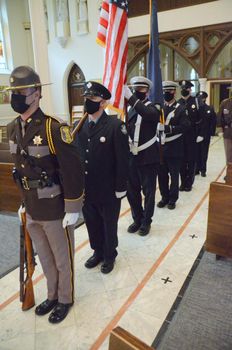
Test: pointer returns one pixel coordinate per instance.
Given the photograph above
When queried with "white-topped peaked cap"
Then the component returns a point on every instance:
(141, 82)
(169, 85)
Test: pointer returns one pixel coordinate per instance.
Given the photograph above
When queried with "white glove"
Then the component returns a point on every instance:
(127, 92)
(70, 219)
(160, 127)
(120, 194)
(21, 210)
(199, 139)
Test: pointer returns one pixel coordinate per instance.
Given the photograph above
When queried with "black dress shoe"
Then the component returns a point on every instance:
(197, 172)
(188, 189)
(144, 230)
(59, 313)
(162, 204)
(171, 206)
(203, 174)
(93, 261)
(182, 188)
(133, 227)
(45, 307)
(107, 267)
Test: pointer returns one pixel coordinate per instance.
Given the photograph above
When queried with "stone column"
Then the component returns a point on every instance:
(39, 42)
(202, 82)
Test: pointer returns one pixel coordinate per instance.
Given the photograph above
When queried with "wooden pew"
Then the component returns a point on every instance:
(229, 174)
(219, 229)
(120, 339)
(9, 193)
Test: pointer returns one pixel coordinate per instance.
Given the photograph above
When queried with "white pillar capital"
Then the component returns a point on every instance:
(202, 82)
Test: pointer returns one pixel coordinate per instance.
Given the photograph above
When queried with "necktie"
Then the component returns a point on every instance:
(23, 124)
(91, 124)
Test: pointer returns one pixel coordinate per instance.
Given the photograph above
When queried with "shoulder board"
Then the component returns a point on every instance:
(59, 120)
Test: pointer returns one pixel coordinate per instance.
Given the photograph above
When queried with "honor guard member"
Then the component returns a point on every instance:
(103, 145)
(209, 123)
(192, 136)
(225, 121)
(49, 174)
(143, 117)
(176, 124)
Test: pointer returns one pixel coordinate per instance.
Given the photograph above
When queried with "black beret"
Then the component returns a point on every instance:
(202, 94)
(92, 88)
(185, 84)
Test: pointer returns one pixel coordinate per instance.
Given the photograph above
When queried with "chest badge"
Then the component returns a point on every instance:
(102, 139)
(37, 140)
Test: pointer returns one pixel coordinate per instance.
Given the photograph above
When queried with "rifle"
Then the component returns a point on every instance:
(79, 125)
(27, 262)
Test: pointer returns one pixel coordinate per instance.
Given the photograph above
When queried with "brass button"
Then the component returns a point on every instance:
(86, 172)
(52, 195)
(86, 161)
(22, 166)
(87, 150)
(38, 155)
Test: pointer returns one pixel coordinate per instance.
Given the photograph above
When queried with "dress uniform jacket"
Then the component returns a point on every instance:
(150, 118)
(104, 152)
(49, 170)
(194, 110)
(209, 121)
(225, 118)
(179, 123)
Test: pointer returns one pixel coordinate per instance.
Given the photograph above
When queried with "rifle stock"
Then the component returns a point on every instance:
(26, 286)
(79, 125)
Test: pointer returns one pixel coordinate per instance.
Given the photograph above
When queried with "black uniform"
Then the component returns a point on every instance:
(188, 167)
(104, 151)
(173, 151)
(143, 167)
(209, 126)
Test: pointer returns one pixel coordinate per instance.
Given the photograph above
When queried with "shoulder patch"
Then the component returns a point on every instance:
(123, 129)
(66, 134)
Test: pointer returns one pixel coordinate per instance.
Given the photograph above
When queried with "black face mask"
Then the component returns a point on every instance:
(168, 96)
(185, 92)
(140, 95)
(91, 107)
(18, 103)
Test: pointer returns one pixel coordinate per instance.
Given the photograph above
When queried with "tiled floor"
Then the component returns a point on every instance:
(134, 295)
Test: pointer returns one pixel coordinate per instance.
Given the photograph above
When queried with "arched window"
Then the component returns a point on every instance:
(173, 66)
(3, 62)
(222, 66)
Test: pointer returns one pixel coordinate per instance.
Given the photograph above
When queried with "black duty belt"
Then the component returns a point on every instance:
(28, 184)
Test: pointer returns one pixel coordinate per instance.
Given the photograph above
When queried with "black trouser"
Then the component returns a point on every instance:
(142, 178)
(102, 224)
(202, 154)
(188, 165)
(170, 166)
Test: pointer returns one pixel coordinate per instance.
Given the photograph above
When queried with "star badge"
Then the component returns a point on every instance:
(37, 140)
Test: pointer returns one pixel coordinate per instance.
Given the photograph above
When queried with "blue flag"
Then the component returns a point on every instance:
(154, 70)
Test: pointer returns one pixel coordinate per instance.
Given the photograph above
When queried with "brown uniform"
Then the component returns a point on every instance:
(225, 121)
(50, 175)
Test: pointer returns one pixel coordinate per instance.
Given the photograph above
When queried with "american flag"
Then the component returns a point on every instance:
(113, 35)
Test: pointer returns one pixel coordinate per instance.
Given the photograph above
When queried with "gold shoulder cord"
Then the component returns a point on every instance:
(49, 135)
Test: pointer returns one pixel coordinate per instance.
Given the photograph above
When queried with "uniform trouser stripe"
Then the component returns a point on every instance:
(71, 262)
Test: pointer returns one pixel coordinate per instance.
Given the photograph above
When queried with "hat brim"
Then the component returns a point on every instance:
(19, 87)
(140, 85)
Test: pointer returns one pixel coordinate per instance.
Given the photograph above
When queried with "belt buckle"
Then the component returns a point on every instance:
(25, 183)
(133, 149)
